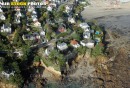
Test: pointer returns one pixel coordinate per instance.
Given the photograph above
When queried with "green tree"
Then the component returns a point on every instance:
(4, 43)
(16, 79)
(37, 58)
(98, 50)
(53, 55)
(17, 41)
(61, 59)
(2, 61)
(78, 30)
(45, 16)
(15, 66)
(26, 52)
(48, 36)
(48, 28)
(81, 50)
(62, 7)
(78, 9)
(56, 56)
(76, 36)
(62, 35)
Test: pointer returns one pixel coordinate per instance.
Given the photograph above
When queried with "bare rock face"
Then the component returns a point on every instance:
(118, 73)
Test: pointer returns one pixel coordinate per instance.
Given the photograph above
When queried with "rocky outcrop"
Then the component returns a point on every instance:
(117, 74)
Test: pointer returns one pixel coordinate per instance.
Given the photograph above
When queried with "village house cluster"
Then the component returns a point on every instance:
(37, 32)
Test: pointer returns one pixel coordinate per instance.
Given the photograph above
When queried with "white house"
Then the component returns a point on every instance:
(19, 53)
(71, 20)
(30, 9)
(18, 14)
(62, 46)
(32, 36)
(6, 28)
(2, 17)
(49, 8)
(7, 75)
(28, 29)
(17, 20)
(34, 18)
(1, 11)
(74, 43)
(34, 12)
(42, 33)
(37, 24)
(84, 26)
(87, 43)
(68, 8)
(86, 35)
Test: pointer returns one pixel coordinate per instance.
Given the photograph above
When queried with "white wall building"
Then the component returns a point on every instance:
(85, 26)
(6, 28)
(87, 43)
(62, 46)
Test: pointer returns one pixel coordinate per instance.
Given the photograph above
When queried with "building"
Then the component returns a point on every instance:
(85, 26)
(49, 8)
(30, 9)
(86, 35)
(17, 20)
(34, 12)
(62, 46)
(33, 36)
(87, 43)
(68, 8)
(71, 20)
(37, 24)
(2, 17)
(6, 74)
(1, 11)
(6, 28)
(62, 29)
(18, 53)
(18, 14)
(42, 33)
(74, 43)
(34, 18)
